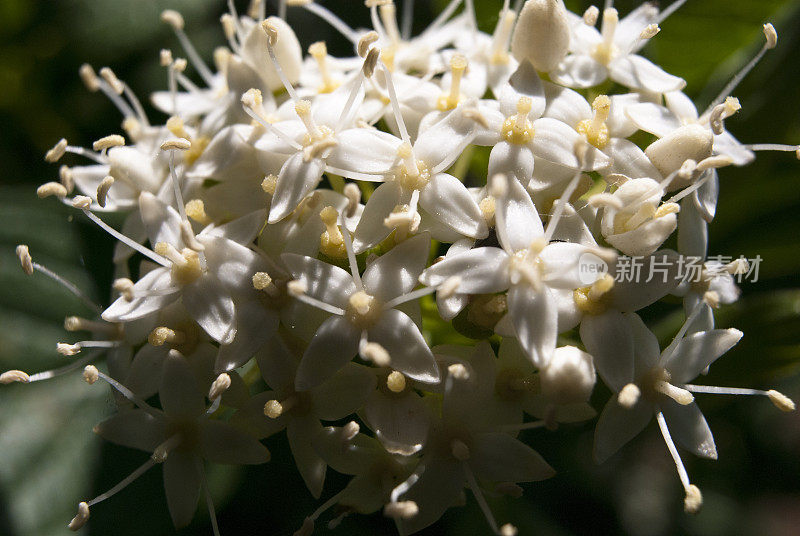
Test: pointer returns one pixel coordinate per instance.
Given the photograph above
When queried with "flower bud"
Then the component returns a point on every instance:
(689, 142)
(542, 34)
(569, 377)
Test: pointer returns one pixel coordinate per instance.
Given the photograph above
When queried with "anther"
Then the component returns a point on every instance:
(376, 353)
(58, 150)
(296, 287)
(449, 287)
(459, 450)
(371, 62)
(89, 77)
(629, 396)
(458, 371)
(176, 126)
(111, 79)
(458, 65)
(107, 142)
(712, 298)
(80, 518)
(179, 144)
(781, 401)
(262, 281)
(331, 240)
(365, 41)
(401, 509)
(678, 394)
(66, 178)
(271, 30)
(51, 189)
(771, 35)
(273, 409)
(196, 210)
(11, 376)
(187, 235)
(91, 374)
(396, 382)
(350, 430)
(179, 65)
(163, 335)
(590, 16)
(124, 287)
(650, 31)
(220, 385)
(173, 18)
(693, 501)
(353, 194)
(165, 57)
(67, 349)
(228, 26)
(508, 530)
(102, 190)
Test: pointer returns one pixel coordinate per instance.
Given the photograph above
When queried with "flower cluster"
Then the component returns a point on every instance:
(292, 216)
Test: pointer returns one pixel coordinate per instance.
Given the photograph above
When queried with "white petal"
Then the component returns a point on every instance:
(135, 429)
(333, 346)
(364, 150)
(566, 105)
(659, 276)
(482, 271)
(182, 478)
(397, 272)
(629, 160)
(221, 442)
(645, 346)
(296, 180)
(705, 198)
(697, 351)
(211, 305)
(689, 428)
(579, 70)
(617, 425)
(517, 221)
(158, 283)
(692, 230)
(638, 73)
(653, 118)
(443, 142)
(242, 230)
(371, 230)
(228, 262)
(399, 422)
(497, 457)
(408, 351)
(562, 265)
(681, 106)
(513, 160)
(438, 488)
(161, 221)
(343, 393)
(535, 319)
(301, 432)
(179, 393)
(572, 228)
(324, 282)
(646, 238)
(255, 325)
(144, 375)
(555, 142)
(446, 198)
(609, 338)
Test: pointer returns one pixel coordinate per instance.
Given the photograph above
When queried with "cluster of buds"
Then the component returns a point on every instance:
(288, 221)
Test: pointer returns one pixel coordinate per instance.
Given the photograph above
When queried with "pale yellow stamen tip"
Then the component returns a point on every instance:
(273, 409)
(296, 287)
(80, 518)
(508, 530)
(162, 335)
(302, 107)
(261, 280)
(165, 57)
(396, 382)
(179, 144)
(12, 376)
(591, 15)
(25, 260)
(67, 349)
(376, 353)
(111, 79)
(650, 31)
(51, 189)
(89, 77)
(458, 371)
(401, 510)
(124, 287)
(269, 184)
(66, 178)
(196, 210)
(102, 190)
(693, 501)
(91, 374)
(173, 18)
(629, 396)
(179, 65)
(665, 209)
(107, 142)
(459, 450)
(781, 401)
(365, 41)
(58, 150)
(219, 386)
(271, 30)
(771, 35)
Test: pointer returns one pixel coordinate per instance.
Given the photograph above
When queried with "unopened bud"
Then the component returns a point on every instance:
(542, 34)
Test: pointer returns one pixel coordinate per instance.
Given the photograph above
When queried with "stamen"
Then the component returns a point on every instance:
(398, 116)
(559, 210)
(28, 266)
(124, 287)
(124, 239)
(396, 382)
(353, 194)
(163, 335)
(161, 452)
(478, 494)
(124, 391)
(337, 23)
(388, 13)
(679, 395)
(196, 210)
(74, 365)
(771, 40)
(297, 289)
(365, 41)
(66, 178)
(691, 491)
(673, 7)
(629, 395)
(219, 386)
(351, 256)
(122, 485)
(11, 376)
(781, 401)
(175, 20)
(274, 409)
(103, 144)
(331, 240)
(51, 189)
(401, 510)
(591, 15)
(262, 281)
(80, 518)
(411, 296)
(272, 33)
(319, 52)
(212, 513)
(502, 37)
(595, 129)
(252, 103)
(89, 77)
(58, 150)
(102, 190)
(372, 351)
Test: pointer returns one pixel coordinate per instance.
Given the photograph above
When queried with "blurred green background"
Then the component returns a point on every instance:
(49, 459)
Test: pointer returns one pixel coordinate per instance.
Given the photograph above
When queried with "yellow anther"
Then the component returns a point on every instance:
(771, 35)
(273, 409)
(396, 382)
(173, 18)
(269, 183)
(89, 77)
(271, 30)
(487, 206)
(196, 210)
(176, 144)
(165, 57)
(51, 189)
(365, 41)
(66, 178)
(261, 280)
(592, 299)
(111, 79)
(12, 376)
(198, 146)
(667, 208)
(458, 66)
(176, 126)
(781, 401)
(163, 335)
(102, 190)
(114, 140)
(58, 150)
